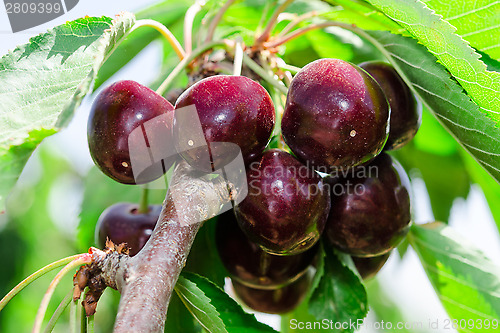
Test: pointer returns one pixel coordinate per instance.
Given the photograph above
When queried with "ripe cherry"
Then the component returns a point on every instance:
(249, 264)
(123, 223)
(369, 267)
(370, 212)
(336, 116)
(287, 204)
(114, 131)
(275, 301)
(231, 109)
(406, 112)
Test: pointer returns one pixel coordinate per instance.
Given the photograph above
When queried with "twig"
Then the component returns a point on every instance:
(272, 22)
(83, 259)
(50, 267)
(146, 281)
(165, 33)
(216, 20)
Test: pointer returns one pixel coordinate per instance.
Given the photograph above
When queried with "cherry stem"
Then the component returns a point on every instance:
(144, 203)
(272, 22)
(297, 33)
(264, 74)
(165, 33)
(216, 20)
(188, 24)
(82, 259)
(72, 316)
(190, 57)
(238, 58)
(41, 272)
(90, 322)
(83, 320)
(57, 314)
(296, 21)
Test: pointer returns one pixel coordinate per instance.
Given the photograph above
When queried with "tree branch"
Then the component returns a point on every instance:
(146, 281)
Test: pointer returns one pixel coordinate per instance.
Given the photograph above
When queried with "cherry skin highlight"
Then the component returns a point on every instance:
(286, 207)
(250, 265)
(122, 223)
(406, 112)
(370, 212)
(114, 124)
(336, 116)
(231, 109)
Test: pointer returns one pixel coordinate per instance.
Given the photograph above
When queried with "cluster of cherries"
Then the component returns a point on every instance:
(332, 179)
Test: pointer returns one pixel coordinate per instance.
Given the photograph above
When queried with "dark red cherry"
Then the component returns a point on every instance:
(231, 109)
(406, 112)
(370, 212)
(336, 116)
(287, 204)
(275, 301)
(127, 123)
(369, 267)
(249, 264)
(123, 223)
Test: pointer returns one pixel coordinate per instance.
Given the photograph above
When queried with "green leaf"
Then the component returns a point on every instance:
(451, 50)
(43, 82)
(101, 192)
(13, 159)
(166, 12)
(362, 14)
(478, 22)
(466, 282)
(213, 308)
(179, 319)
(340, 295)
(444, 97)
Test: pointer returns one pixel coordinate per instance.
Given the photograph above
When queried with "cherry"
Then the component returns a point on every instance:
(336, 116)
(287, 204)
(249, 264)
(114, 131)
(406, 112)
(369, 267)
(232, 109)
(274, 301)
(123, 223)
(370, 212)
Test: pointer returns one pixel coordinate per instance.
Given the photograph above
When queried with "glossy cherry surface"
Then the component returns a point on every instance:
(117, 111)
(232, 109)
(406, 112)
(369, 267)
(336, 116)
(370, 212)
(278, 301)
(249, 264)
(287, 204)
(122, 223)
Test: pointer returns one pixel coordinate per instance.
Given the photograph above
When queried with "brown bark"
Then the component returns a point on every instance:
(146, 281)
